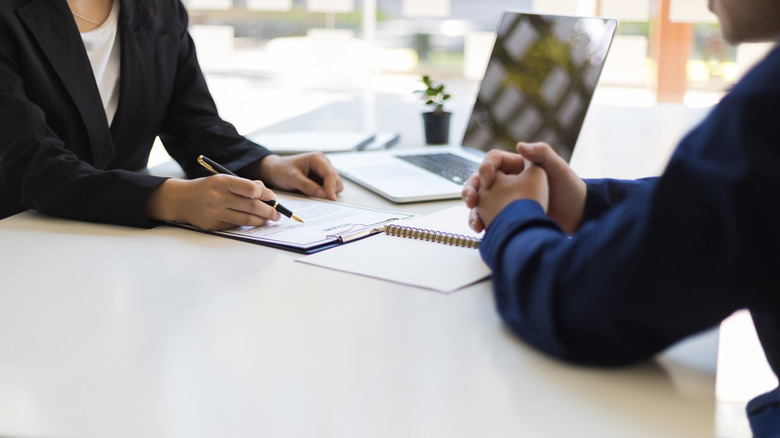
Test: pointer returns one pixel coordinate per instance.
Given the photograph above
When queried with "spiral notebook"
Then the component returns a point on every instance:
(437, 252)
(443, 237)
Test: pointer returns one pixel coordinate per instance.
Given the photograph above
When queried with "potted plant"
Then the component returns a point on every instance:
(436, 121)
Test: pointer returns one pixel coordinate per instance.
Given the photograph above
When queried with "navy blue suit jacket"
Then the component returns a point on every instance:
(57, 152)
(658, 259)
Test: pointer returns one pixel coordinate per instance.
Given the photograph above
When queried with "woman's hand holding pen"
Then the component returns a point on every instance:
(565, 201)
(213, 203)
(310, 174)
(227, 201)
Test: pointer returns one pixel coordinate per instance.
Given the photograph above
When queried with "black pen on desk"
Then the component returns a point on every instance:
(216, 168)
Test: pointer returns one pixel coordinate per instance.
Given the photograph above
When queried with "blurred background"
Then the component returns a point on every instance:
(269, 60)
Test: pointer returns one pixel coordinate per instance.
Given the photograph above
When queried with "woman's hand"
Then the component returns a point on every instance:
(212, 203)
(224, 201)
(311, 174)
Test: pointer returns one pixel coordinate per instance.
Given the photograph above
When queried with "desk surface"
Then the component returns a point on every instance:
(121, 332)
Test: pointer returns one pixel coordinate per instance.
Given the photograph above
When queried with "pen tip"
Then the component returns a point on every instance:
(297, 218)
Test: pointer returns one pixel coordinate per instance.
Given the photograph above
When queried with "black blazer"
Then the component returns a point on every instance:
(57, 152)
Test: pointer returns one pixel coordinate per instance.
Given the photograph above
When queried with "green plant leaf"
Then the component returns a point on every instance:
(433, 94)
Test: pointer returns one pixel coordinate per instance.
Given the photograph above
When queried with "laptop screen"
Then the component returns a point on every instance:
(539, 81)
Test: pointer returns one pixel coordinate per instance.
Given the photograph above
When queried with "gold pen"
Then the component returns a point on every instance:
(216, 168)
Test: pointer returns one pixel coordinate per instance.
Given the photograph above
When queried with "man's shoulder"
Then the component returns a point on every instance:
(763, 76)
(764, 414)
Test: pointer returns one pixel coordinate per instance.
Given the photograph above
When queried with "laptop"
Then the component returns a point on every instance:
(537, 86)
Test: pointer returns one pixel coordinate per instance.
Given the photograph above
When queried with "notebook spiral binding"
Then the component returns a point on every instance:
(432, 236)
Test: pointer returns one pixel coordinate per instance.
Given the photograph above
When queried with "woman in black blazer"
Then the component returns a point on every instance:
(60, 155)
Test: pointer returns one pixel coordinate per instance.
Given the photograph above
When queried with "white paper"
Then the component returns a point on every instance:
(305, 141)
(429, 265)
(324, 222)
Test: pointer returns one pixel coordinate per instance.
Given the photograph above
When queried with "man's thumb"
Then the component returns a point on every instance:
(540, 154)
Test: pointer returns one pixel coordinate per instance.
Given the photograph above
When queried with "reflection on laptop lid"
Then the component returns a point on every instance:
(537, 86)
(539, 81)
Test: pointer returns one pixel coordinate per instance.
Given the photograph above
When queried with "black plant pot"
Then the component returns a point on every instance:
(437, 127)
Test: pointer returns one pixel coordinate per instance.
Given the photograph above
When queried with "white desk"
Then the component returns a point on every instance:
(118, 332)
(115, 332)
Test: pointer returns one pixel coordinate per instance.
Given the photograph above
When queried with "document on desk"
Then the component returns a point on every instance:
(302, 141)
(326, 224)
(430, 265)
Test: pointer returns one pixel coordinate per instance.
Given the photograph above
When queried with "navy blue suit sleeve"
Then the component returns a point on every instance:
(764, 414)
(674, 256)
(663, 259)
(620, 290)
(603, 194)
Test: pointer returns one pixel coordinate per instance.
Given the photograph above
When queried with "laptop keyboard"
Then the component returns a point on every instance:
(450, 166)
